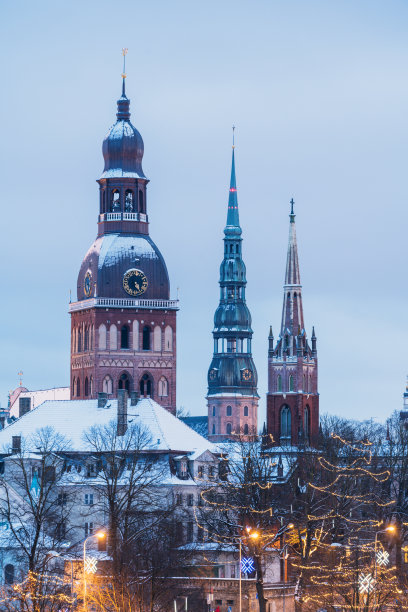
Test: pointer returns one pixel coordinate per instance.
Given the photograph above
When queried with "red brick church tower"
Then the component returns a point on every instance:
(292, 398)
(123, 324)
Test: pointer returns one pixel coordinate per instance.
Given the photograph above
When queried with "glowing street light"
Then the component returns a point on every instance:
(90, 563)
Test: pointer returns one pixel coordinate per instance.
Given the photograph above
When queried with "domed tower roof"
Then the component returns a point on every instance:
(123, 146)
(111, 257)
(123, 251)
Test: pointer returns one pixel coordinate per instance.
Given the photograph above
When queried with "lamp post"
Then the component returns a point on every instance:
(250, 534)
(389, 529)
(100, 535)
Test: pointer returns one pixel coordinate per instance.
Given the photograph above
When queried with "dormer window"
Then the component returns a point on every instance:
(183, 469)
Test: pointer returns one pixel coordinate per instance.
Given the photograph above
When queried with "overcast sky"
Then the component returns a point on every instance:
(318, 91)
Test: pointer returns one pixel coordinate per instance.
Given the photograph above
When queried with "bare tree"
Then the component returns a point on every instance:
(34, 509)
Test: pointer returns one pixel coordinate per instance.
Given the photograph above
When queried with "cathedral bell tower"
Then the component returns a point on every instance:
(123, 324)
(292, 399)
(232, 378)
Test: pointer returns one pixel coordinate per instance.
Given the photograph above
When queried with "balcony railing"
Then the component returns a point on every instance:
(126, 216)
(124, 303)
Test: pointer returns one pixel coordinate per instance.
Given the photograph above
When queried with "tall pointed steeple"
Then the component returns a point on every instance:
(293, 399)
(292, 312)
(233, 226)
(232, 378)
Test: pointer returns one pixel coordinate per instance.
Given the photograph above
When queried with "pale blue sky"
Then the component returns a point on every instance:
(318, 91)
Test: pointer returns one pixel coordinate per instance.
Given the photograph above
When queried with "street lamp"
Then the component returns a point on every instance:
(100, 535)
(389, 529)
(250, 534)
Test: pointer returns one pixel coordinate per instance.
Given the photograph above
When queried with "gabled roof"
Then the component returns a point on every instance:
(72, 418)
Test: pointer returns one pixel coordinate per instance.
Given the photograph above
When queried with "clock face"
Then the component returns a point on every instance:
(134, 282)
(246, 374)
(88, 283)
(213, 374)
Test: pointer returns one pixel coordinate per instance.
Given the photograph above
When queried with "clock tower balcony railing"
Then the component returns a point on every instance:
(100, 302)
(122, 216)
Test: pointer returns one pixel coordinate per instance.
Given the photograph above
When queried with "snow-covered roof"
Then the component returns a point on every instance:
(39, 397)
(72, 418)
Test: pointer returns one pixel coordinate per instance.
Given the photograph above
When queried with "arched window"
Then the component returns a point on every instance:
(91, 337)
(90, 385)
(146, 338)
(279, 383)
(306, 425)
(231, 248)
(157, 338)
(213, 429)
(246, 429)
(168, 338)
(285, 423)
(124, 337)
(113, 337)
(135, 335)
(107, 385)
(141, 203)
(245, 410)
(124, 382)
(78, 389)
(115, 201)
(291, 383)
(102, 337)
(86, 338)
(213, 410)
(229, 428)
(229, 411)
(9, 574)
(103, 201)
(146, 386)
(79, 340)
(86, 387)
(73, 386)
(129, 201)
(163, 387)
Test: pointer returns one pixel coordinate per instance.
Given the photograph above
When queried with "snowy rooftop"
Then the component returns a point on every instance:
(39, 397)
(72, 418)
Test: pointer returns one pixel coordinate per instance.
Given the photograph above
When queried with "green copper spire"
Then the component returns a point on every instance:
(233, 227)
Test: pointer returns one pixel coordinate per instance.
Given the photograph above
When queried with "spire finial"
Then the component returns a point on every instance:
(233, 136)
(124, 53)
(292, 202)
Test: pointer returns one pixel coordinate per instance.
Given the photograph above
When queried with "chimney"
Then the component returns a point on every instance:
(16, 445)
(102, 400)
(122, 412)
(24, 405)
(134, 397)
